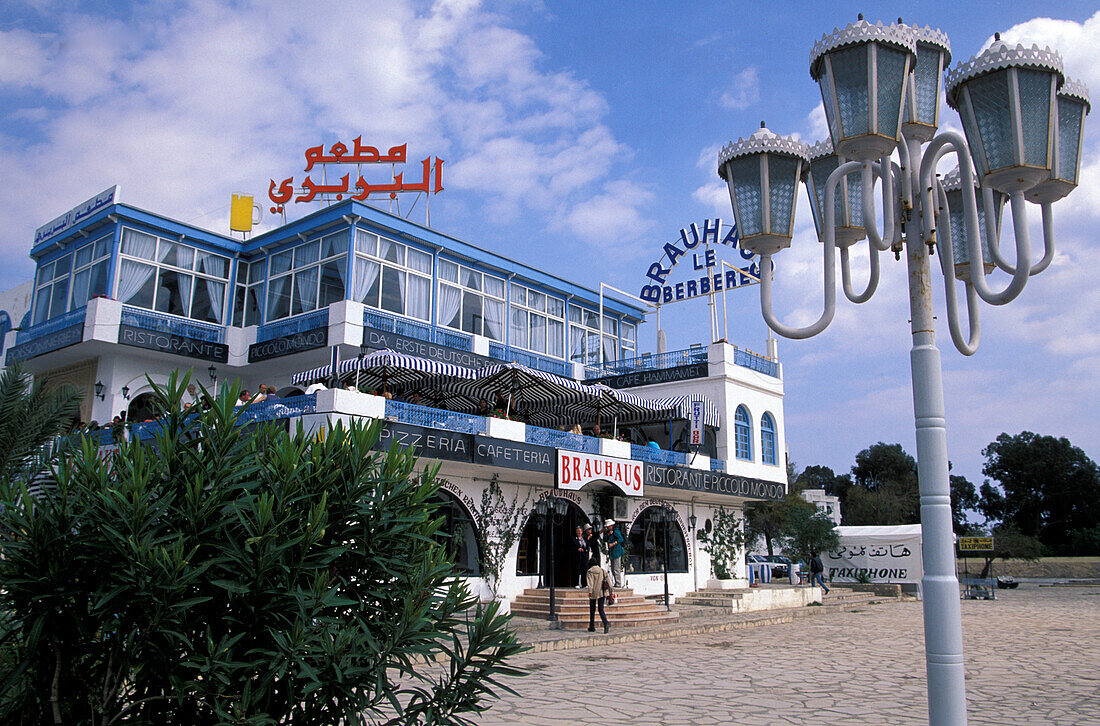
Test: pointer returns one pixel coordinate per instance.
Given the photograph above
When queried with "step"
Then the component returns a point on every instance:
(661, 618)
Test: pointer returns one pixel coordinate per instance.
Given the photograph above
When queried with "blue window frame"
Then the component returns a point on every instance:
(767, 438)
(742, 434)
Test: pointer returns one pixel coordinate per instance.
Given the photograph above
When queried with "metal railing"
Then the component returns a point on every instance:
(416, 329)
(657, 456)
(532, 360)
(756, 362)
(51, 326)
(435, 418)
(267, 410)
(300, 324)
(561, 439)
(149, 320)
(647, 362)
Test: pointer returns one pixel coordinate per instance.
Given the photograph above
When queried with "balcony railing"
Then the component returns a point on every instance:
(300, 324)
(435, 418)
(416, 329)
(657, 456)
(61, 322)
(717, 465)
(532, 360)
(149, 320)
(647, 362)
(561, 439)
(756, 362)
(268, 410)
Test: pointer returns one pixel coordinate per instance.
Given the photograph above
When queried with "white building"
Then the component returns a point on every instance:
(825, 503)
(123, 296)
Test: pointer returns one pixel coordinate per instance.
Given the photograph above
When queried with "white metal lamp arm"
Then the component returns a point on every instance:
(888, 222)
(767, 269)
(993, 234)
(846, 275)
(947, 267)
(970, 210)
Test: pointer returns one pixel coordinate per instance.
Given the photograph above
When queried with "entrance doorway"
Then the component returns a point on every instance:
(534, 548)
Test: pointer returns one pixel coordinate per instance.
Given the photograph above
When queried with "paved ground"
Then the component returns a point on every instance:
(1032, 657)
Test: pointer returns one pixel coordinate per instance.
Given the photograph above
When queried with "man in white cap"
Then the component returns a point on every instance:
(614, 539)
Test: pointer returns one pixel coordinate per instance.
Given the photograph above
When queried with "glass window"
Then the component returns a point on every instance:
(494, 286)
(468, 308)
(256, 272)
(83, 256)
(393, 288)
(138, 244)
(519, 295)
(176, 255)
(209, 301)
(305, 291)
(767, 439)
(448, 271)
(419, 261)
(334, 244)
(531, 325)
(332, 282)
(306, 254)
(278, 298)
(742, 434)
(281, 262)
(471, 313)
(395, 278)
(211, 264)
(173, 293)
(366, 243)
(652, 540)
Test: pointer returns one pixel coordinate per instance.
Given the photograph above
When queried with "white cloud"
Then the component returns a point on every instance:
(744, 90)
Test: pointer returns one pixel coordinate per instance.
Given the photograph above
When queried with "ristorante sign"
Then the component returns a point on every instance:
(576, 469)
(171, 343)
(709, 276)
(431, 179)
(712, 482)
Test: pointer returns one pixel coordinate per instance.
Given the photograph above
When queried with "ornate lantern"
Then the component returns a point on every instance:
(1006, 98)
(762, 173)
(1073, 106)
(862, 71)
(849, 195)
(922, 95)
(952, 187)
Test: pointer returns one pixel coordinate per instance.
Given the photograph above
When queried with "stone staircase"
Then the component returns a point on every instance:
(774, 597)
(571, 606)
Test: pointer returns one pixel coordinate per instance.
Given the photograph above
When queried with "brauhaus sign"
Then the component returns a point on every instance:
(711, 482)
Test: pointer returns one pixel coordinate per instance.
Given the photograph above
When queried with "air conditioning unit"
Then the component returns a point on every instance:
(620, 507)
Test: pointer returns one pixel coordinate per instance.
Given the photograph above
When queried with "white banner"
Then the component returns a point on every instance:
(882, 554)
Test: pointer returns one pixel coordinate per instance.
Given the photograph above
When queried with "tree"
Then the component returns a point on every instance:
(233, 574)
(963, 497)
(885, 489)
(768, 520)
(724, 543)
(1010, 543)
(1050, 487)
(809, 532)
(499, 525)
(31, 417)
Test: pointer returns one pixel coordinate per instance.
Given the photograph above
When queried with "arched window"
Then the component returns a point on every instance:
(457, 533)
(767, 438)
(742, 434)
(647, 544)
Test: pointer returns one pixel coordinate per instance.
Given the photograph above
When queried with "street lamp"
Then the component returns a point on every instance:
(551, 511)
(665, 517)
(1023, 124)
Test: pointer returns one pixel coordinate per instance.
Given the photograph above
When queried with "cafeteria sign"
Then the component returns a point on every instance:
(711, 274)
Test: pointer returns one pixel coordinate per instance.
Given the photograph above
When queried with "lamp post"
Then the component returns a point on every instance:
(665, 517)
(553, 510)
(880, 85)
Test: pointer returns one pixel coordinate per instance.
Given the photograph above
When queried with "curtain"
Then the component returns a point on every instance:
(216, 292)
(450, 301)
(494, 319)
(419, 297)
(518, 328)
(610, 348)
(132, 276)
(555, 339)
(366, 272)
(538, 333)
(138, 244)
(211, 264)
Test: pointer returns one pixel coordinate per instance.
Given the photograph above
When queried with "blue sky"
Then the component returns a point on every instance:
(578, 137)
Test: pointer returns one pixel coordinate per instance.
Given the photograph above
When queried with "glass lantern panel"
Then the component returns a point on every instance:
(927, 74)
(890, 68)
(1070, 116)
(745, 182)
(850, 76)
(831, 115)
(958, 228)
(1035, 87)
(989, 99)
(782, 183)
(820, 169)
(854, 183)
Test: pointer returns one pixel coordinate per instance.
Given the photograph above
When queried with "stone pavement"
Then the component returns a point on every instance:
(1032, 657)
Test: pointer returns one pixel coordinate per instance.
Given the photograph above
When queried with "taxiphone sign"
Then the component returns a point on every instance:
(575, 470)
(702, 261)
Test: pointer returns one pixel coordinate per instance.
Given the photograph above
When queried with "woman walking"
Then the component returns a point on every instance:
(598, 585)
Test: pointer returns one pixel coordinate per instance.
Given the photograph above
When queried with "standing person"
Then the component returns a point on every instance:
(614, 539)
(816, 570)
(580, 550)
(597, 586)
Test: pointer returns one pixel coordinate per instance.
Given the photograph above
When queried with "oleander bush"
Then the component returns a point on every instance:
(228, 574)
